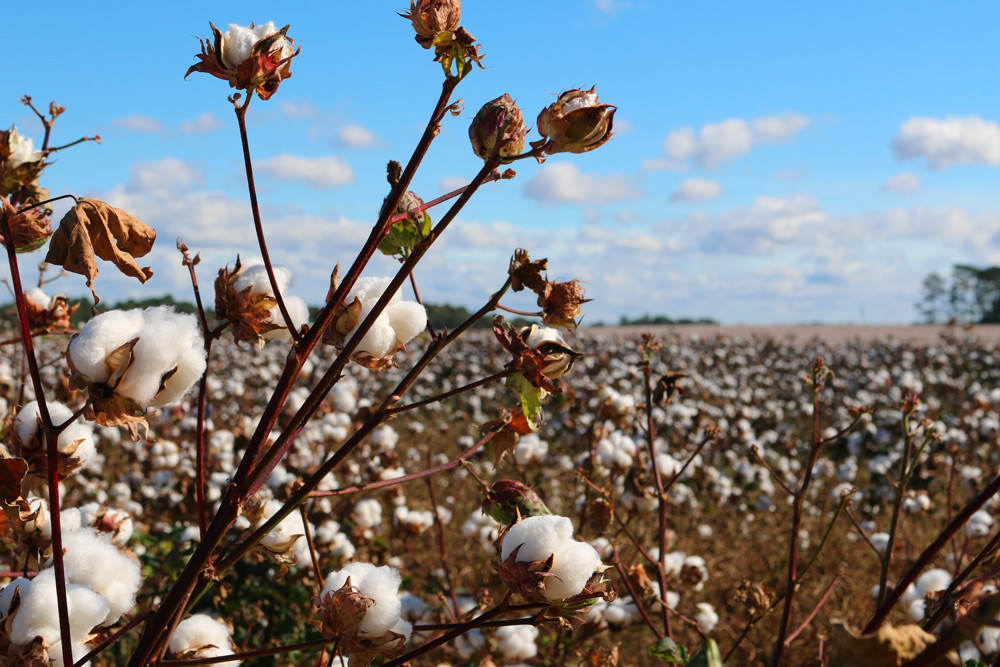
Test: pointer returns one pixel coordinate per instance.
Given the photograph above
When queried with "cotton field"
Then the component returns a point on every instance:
(433, 523)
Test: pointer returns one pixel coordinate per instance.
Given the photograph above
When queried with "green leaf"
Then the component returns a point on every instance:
(707, 656)
(531, 399)
(669, 650)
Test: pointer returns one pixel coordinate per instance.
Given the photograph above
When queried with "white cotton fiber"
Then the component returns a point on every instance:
(39, 613)
(26, 426)
(37, 296)
(90, 559)
(7, 594)
(407, 318)
(255, 277)
(380, 338)
(105, 333)
(517, 642)
(379, 583)
(573, 562)
(203, 631)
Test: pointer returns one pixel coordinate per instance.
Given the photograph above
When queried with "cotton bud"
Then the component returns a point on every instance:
(132, 360)
(557, 358)
(252, 58)
(432, 17)
(575, 123)
(404, 234)
(201, 636)
(540, 558)
(501, 120)
(508, 498)
(30, 229)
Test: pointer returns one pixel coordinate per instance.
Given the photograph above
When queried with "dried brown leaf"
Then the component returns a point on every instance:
(887, 647)
(93, 228)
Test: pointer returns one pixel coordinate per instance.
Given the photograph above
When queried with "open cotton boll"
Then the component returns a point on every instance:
(90, 559)
(38, 297)
(7, 594)
(932, 581)
(573, 562)
(167, 340)
(26, 426)
(89, 349)
(517, 642)
(379, 583)
(407, 318)
(201, 630)
(39, 615)
(255, 277)
(706, 617)
(380, 339)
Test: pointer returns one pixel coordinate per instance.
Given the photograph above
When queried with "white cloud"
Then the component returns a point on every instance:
(718, 143)
(206, 122)
(164, 177)
(952, 141)
(563, 183)
(663, 164)
(449, 183)
(356, 136)
(321, 173)
(298, 110)
(139, 123)
(696, 190)
(904, 183)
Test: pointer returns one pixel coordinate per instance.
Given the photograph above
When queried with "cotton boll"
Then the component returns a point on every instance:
(379, 583)
(168, 340)
(90, 559)
(21, 584)
(88, 350)
(37, 296)
(538, 537)
(517, 642)
(572, 567)
(255, 277)
(979, 524)
(404, 628)
(203, 630)
(367, 513)
(407, 318)
(77, 434)
(706, 617)
(380, 339)
(932, 581)
(39, 615)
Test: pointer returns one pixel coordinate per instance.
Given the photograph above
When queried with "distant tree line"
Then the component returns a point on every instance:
(971, 295)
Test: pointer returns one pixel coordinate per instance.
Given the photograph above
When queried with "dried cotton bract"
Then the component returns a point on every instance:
(131, 360)
(244, 298)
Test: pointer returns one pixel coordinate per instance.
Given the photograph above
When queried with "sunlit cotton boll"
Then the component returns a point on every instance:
(167, 340)
(90, 559)
(77, 435)
(240, 40)
(255, 278)
(979, 524)
(394, 327)
(706, 617)
(379, 583)
(541, 536)
(38, 614)
(211, 638)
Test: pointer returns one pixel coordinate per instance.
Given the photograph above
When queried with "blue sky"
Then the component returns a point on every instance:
(773, 162)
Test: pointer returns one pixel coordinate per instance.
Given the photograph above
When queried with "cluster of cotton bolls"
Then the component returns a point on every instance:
(101, 585)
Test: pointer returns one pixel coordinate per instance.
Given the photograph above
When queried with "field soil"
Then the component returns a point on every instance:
(922, 334)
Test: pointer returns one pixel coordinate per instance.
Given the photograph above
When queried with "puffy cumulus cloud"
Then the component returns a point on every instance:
(356, 136)
(696, 190)
(164, 177)
(564, 183)
(767, 225)
(322, 173)
(717, 143)
(203, 124)
(904, 184)
(952, 141)
(138, 123)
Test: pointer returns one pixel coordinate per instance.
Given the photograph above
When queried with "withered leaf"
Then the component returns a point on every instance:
(12, 471)
(91, 228)
(526, 273)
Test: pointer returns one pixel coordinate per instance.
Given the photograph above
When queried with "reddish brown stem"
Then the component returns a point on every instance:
(822, 600)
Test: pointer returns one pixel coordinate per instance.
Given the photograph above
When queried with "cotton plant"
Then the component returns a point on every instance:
(133, 360)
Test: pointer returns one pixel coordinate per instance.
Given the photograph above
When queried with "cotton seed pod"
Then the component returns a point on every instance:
(498, 116)
(575, 123)
(29, 229)
(432, 17)
(253, 58)
(557, 356)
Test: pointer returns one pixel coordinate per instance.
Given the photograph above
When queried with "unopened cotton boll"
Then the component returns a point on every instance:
(538, 537)
(201, 630)
(91, 560)
(381, 584)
